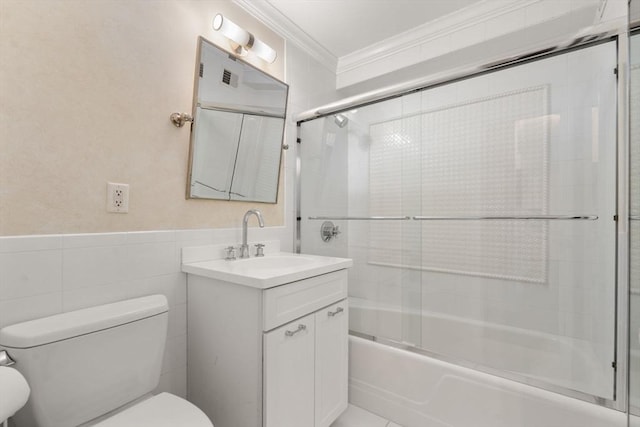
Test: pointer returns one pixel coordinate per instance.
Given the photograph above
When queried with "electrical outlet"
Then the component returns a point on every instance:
(117, 197)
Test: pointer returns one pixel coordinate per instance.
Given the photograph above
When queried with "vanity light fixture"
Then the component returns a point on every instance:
(242, 41)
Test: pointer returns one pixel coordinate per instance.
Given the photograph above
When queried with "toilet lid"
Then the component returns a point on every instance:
(162, 410)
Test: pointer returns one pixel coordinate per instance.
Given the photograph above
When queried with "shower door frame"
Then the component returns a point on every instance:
(621, 325)
(634, 31)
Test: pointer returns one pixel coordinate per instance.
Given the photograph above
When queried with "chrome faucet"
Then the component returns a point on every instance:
(244, 249)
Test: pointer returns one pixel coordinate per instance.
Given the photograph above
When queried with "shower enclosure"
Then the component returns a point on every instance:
(481, 215)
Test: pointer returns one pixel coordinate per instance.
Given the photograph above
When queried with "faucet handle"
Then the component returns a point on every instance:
(259, 249)
(231, 253)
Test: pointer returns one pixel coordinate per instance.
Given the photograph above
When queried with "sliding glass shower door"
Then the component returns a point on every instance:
(480, 215)
(368, 189)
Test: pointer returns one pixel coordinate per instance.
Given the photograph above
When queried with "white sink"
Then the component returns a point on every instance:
(268, 271)
(273, 262)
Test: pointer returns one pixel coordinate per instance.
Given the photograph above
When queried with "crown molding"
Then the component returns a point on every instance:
(473, 14)
(274, 19)
(443, 26)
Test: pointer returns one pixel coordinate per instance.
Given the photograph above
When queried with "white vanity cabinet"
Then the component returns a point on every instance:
(289, 376)
(274, 357)
(332, 363)
(305, 369)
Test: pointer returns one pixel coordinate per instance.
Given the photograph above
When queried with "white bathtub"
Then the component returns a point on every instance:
(418, 391)
(562, 361)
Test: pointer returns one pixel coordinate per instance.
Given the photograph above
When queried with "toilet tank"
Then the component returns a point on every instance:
(85, 363)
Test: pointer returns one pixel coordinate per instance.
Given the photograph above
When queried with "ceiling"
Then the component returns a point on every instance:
(346, 26)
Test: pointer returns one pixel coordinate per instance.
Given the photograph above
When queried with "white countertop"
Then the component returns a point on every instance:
(273, 269)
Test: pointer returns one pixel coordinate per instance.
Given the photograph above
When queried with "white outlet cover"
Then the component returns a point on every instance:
(117, 197)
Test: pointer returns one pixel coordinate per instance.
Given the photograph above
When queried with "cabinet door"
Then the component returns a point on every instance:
(332, 361)
(289, 353)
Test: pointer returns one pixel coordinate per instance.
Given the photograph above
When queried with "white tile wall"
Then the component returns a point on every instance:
(45, 275)
(19, 278)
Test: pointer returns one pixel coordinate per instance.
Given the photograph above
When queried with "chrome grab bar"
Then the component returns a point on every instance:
(518, 217)
(360, 218)
(301, 328)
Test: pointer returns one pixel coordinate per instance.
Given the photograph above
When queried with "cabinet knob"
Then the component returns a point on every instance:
(338, 311)
(301, 328)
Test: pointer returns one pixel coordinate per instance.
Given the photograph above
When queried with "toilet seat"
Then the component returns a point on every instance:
(162, 410)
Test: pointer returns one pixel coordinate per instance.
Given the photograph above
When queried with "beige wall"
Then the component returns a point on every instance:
(86, 90)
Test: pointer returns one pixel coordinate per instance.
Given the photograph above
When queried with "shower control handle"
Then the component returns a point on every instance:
(328, 230)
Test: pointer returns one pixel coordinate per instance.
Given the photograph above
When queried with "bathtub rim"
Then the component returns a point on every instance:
(356, 303)
(512, 376)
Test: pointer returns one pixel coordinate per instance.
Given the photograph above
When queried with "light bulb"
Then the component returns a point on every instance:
(230, 30)
(243, 39)
(264, 51)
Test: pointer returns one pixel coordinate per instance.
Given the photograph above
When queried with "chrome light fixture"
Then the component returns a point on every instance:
(242, 41)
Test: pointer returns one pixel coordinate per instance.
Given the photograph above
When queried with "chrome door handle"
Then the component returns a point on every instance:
(292, 333)
(338, 311)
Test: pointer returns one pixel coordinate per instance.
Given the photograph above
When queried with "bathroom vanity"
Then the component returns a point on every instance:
(268, 339)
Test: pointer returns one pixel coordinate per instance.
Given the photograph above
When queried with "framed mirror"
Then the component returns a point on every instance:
(236, 137)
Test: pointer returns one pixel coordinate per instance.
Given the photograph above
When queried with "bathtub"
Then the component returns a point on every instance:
(418, 391)
(541, 358)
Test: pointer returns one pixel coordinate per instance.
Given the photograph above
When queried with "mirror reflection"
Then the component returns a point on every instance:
(238, 128)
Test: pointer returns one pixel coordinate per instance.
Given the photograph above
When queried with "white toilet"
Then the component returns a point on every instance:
(14, 392)
(97, 367)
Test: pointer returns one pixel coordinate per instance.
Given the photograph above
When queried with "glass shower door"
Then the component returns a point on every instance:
(361, 174)
(480, 218)
(518, 228)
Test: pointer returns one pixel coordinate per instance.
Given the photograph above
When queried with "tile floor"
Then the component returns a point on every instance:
(358, 417)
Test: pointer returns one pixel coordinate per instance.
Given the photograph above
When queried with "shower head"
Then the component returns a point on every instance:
(340, 120)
